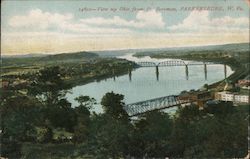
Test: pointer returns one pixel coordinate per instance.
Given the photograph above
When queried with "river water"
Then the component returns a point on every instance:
(143, 83)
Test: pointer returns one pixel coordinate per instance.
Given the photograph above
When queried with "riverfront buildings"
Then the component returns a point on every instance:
(244, 83)
(198, 97)
(233, 97)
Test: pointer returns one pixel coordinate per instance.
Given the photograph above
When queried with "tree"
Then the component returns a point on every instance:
(220, 109)
(49, 85)
(85, 101)
(50, 88)
(184, 130)
(81, 129)
(20, 115)
(61, 115)
(206, 86)
(110, 131)
(218, 131)
(110, 138)
(113, 105)
(151, 135)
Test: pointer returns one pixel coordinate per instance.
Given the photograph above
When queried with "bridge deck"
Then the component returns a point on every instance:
(173, 63)
(138, 108)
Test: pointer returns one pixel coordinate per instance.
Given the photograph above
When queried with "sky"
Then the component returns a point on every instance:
(58, 26)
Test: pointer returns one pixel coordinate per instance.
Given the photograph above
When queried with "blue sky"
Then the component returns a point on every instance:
(30, 26)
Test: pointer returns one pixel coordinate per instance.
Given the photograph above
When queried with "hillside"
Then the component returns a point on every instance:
(64, 57)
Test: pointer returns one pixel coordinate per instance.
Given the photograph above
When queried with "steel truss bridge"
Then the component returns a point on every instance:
(142, 107)
(172, 63)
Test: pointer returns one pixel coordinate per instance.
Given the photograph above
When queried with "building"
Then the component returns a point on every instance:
(233, 97)
(244, 82)
(5, 84)
(241, 99)
(197, 97)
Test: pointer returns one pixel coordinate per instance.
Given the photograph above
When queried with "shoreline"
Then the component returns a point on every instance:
(118, 71)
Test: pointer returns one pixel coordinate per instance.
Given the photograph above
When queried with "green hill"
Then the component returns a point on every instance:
(63, 57)
(70, 56)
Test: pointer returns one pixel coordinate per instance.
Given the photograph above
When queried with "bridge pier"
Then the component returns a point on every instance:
(157, 73)
(113, 73)
(205, 71)
(186, 69)
(130, 74)
(225, 70)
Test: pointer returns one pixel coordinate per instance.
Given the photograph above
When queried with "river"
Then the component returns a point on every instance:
(143, 83)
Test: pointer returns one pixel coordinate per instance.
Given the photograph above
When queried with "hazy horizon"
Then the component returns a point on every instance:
(99, 51)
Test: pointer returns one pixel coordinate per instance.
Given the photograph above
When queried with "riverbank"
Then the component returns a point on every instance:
(100, 70)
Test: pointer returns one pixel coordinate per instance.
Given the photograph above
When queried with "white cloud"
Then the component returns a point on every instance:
(83, 28)
(199, 21)
(150, 18)
(38, 19)
(32, 32)
(143, 20)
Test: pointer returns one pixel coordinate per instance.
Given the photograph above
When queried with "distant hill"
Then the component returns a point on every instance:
(113, 53)
(70, 56)
(239, 47)
(23, 56)
(139, 52)
(225, 47)
(63, 57)
(150, 51)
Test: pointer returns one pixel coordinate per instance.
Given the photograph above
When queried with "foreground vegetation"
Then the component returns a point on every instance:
(42, 124)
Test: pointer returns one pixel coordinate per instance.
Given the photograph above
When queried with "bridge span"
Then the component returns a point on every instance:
(160, 103)
(179, 63)
(172, 63)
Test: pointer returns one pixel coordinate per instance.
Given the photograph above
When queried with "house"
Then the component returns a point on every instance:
(241, 99)
(233, 97)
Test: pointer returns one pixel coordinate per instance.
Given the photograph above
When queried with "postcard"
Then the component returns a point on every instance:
(124, 79)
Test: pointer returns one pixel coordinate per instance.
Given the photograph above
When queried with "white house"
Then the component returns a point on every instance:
(228, 96)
